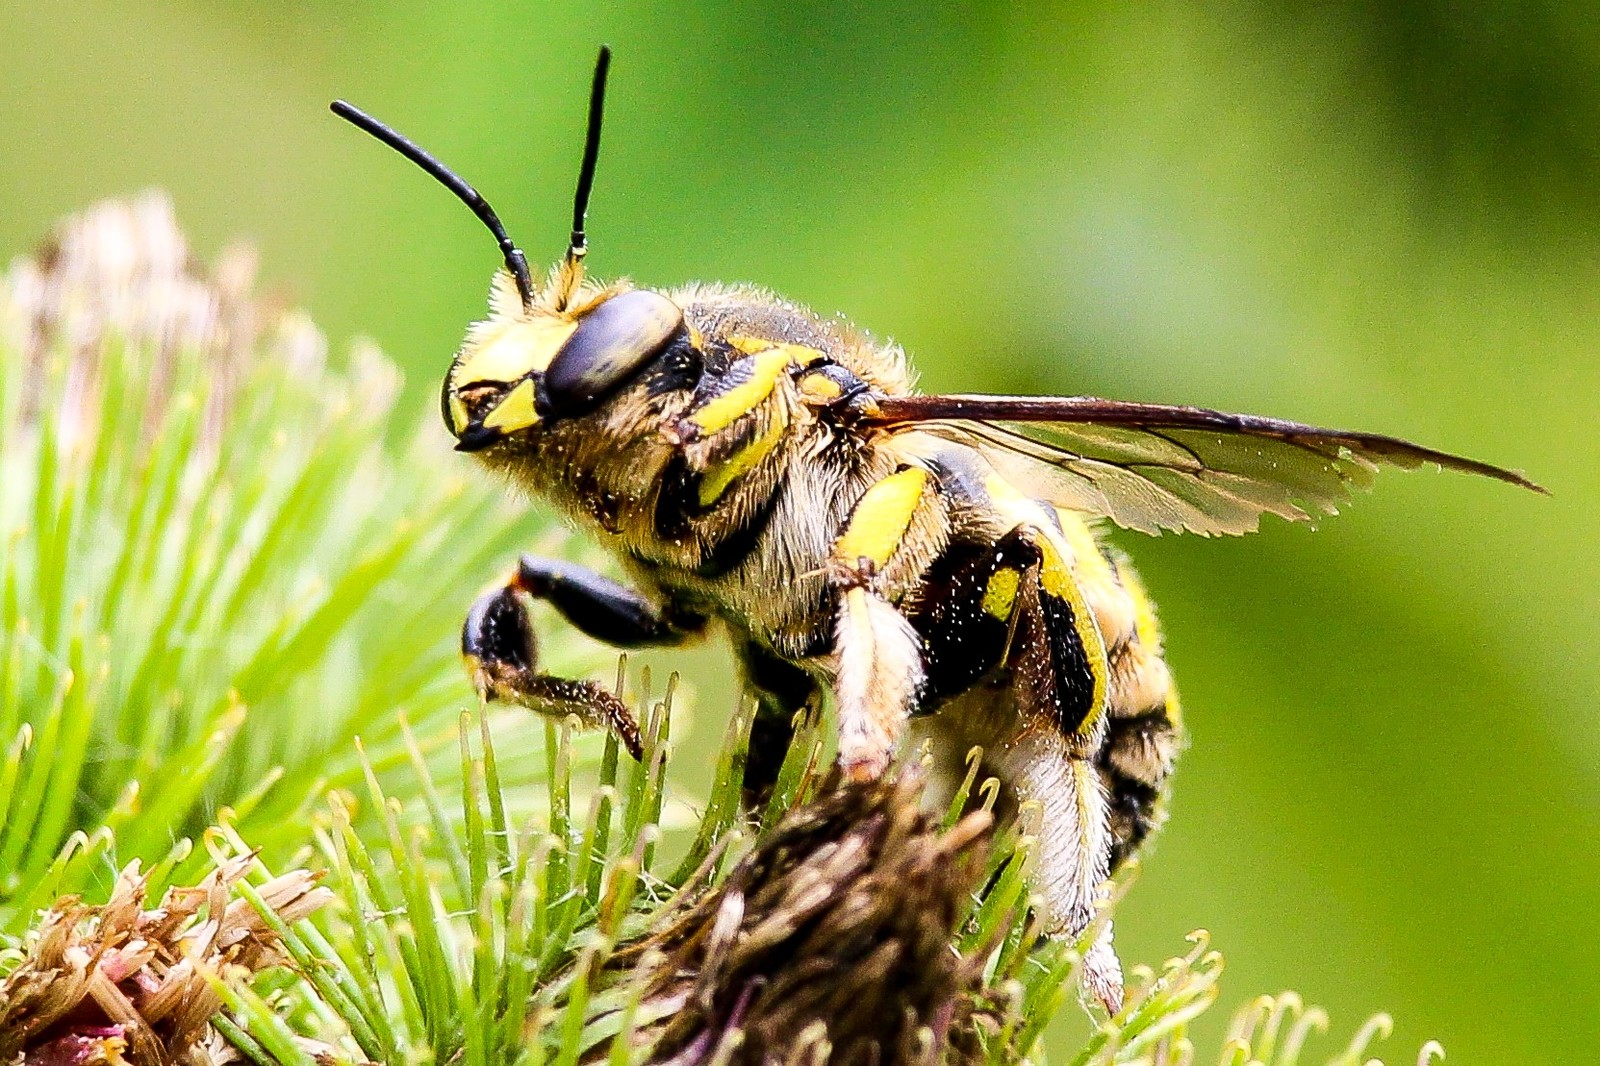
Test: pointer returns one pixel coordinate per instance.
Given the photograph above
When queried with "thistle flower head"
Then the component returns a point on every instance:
(123, 978)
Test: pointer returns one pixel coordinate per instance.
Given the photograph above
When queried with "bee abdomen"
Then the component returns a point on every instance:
(1144, 724)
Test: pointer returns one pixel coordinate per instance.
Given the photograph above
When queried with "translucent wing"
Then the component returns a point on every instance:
(1151, 467)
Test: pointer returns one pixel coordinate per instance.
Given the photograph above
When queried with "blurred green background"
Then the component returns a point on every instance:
(1380, 215)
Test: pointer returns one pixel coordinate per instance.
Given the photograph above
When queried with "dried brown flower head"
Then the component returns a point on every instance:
(829, 942)
(118, 982)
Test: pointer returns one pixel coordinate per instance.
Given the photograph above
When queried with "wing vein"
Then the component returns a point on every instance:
(1151, 466)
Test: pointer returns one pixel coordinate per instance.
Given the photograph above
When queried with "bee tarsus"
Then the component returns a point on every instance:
(501, 652)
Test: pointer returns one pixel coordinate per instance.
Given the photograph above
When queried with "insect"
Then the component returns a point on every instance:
(929, 559)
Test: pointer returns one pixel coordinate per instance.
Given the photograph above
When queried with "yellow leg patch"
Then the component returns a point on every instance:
(1000, 594)
(881, 517)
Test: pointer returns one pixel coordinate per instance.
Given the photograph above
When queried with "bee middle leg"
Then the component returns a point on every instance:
(501, 651)
(781, 689)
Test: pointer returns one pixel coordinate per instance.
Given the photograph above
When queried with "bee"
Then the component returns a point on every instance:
(931, 561)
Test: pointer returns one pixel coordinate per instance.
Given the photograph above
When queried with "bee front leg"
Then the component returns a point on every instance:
(782, 690)
(602, 608)
(501, 652)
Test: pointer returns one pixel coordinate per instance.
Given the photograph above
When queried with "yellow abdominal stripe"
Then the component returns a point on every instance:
(1143, 612)
(881, 518)
(1149, 631)
(1091, 566)
(1055, 579)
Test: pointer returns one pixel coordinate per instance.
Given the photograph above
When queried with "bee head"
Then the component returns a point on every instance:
(538, 358)
(521, 369)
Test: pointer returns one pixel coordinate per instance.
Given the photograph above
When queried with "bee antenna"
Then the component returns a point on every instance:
(579, 244)
(516, 262)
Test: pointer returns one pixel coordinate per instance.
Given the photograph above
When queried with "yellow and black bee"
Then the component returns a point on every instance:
(932, 558)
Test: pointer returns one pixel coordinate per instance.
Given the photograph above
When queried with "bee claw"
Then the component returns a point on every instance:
(865, 767)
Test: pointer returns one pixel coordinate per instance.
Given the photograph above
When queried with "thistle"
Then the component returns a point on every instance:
(101, 983)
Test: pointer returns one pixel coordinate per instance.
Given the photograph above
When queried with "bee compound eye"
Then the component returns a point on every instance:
(611, 344)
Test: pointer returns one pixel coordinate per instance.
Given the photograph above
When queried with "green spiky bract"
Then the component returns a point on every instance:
(214, 572)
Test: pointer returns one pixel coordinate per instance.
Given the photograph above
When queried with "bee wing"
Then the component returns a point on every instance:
(1151, 467)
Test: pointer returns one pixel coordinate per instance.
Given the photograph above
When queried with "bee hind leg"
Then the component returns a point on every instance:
(1010, 634)
(1059, 796)
(1072, 850)
(501, 651)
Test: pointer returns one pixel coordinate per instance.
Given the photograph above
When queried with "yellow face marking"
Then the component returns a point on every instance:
(722, 411)
(458, 414)
(719, 477)
(507, 351)
(1000, 594)
(514, 412)
(881, 517)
